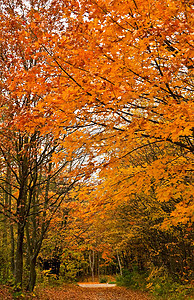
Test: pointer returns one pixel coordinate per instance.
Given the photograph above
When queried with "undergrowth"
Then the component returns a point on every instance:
(157, 282)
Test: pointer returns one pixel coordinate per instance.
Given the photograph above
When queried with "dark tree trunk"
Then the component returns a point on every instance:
(12, 249)
(11, 232)
(19, 257)
(32, 279)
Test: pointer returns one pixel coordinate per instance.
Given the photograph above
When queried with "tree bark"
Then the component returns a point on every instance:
(119, 262)
(11, 223)
(12, 249)
(32, 279)
(19, 257)
(92, 260)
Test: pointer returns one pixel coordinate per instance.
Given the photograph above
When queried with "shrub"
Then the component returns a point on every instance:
(103, 279)
(162, 285)
(158, 282)
(125, 279)
(132, 279)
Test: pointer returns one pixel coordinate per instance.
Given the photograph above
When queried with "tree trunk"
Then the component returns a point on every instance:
(92, 261)
(5, 243)
(19, 257)
(32, 279)
(119, 262)
(5, 227)
(12, 249)
(11, 230)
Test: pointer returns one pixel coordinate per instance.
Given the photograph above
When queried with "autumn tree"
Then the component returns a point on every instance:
(134, 74)
(130, 68)
(34, 149)
(112, 77)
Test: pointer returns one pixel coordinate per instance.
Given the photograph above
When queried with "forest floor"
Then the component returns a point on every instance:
(78, 293)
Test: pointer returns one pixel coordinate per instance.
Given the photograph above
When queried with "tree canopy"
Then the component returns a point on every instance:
(96, 106)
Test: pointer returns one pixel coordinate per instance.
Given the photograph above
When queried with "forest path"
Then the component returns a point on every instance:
(72, 292)
(89, 293)
(96, 285)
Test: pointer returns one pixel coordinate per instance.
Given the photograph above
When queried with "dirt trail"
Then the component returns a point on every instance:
(89, 293)
(77, 293)
(96, 285)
